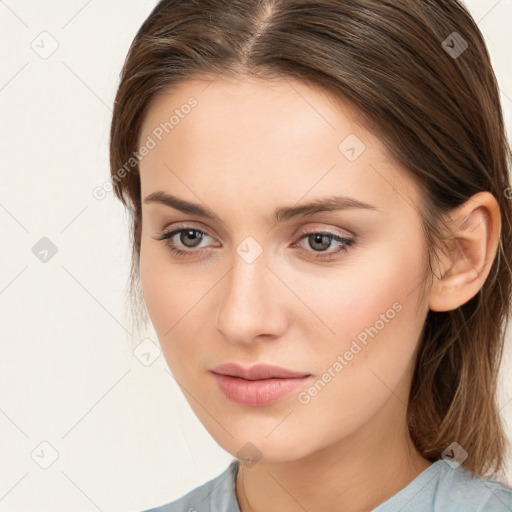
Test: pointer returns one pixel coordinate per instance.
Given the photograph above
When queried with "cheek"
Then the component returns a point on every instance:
(155, 287)
(173, 298)
(373, 310)
(368, 314)
(163, 288)
(377, 286)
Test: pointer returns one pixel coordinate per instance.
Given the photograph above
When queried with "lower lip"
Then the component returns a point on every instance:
(257, 393)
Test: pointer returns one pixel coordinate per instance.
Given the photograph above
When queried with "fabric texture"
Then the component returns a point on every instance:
(440, 488)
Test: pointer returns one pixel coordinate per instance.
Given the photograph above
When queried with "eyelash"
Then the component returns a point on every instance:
(321, 255)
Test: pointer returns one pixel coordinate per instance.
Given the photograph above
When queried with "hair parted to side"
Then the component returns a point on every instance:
(440, 117)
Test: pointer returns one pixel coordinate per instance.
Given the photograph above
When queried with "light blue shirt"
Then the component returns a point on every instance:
(439, 488)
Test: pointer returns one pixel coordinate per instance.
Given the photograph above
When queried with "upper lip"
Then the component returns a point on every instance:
(257, 371)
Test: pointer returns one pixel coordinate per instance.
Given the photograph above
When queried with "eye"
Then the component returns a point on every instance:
(190, 239)
(320, 241)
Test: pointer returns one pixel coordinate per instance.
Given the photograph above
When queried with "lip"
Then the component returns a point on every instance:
(258, 385)
(257, 371)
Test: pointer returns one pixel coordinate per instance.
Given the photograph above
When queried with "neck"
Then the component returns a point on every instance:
(355, 474)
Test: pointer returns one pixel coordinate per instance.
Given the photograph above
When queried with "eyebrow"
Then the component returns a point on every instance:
(281, 214)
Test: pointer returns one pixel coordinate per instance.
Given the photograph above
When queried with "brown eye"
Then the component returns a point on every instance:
(190, 234)
(189, 239)
(320, 243)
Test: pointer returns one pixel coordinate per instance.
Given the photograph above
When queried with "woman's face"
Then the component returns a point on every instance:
(345, 308)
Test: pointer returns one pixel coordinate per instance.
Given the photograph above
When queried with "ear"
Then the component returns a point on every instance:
(473, 230)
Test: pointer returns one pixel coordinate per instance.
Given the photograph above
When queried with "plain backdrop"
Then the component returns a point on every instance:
(85, 424)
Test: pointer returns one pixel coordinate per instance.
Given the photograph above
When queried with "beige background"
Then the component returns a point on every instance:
(122, 435)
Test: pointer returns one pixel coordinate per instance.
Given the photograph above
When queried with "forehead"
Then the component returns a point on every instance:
(264, 136)
(269, 108)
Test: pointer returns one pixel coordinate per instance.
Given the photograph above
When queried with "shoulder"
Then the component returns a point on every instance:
(460, 491)
(445, 488)
(216, 495)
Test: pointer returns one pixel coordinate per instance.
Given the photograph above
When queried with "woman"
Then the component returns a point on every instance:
(322, 235)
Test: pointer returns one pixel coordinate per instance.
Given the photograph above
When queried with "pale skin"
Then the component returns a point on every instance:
(248, 147)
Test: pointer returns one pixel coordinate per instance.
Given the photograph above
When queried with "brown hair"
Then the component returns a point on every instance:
(433, 101)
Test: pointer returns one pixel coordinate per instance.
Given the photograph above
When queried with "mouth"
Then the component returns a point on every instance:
(257, 371)
(258, 385)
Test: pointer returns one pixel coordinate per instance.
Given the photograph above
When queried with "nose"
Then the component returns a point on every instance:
(252, 303)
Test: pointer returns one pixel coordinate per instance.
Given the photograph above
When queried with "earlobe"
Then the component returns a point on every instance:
(473, 238)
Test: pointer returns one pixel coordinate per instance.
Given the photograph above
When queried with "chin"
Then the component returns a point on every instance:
(253, 443)
(264, 450)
